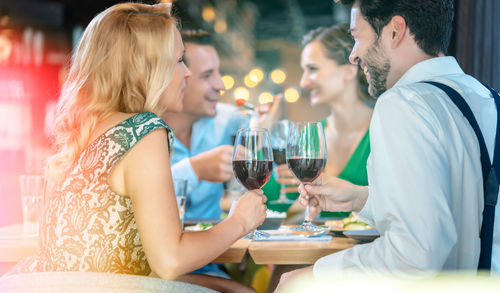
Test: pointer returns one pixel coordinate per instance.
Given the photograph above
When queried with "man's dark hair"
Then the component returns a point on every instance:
(430, 21)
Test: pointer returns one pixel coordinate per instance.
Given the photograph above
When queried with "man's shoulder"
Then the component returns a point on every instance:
(464, 84)
(224, 108)
(225, 113)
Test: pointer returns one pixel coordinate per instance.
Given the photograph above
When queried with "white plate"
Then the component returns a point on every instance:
(362, 235)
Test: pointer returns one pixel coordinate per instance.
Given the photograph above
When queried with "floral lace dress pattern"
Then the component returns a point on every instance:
(86, 226)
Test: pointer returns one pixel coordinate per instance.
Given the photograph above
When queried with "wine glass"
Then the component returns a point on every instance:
(232, 189)
(306, 158)
(279, 135)
(252, 158)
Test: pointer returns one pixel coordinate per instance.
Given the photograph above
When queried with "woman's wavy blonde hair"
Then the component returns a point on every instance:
(123, 63)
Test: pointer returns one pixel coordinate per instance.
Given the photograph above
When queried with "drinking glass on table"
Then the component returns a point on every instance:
(32, 190)
(279, 135)
(180, 186)
(306, 158)
(233, 189)
(252, 158)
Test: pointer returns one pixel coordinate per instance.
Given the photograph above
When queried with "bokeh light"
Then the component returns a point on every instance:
(292, 95)
(278, 76)
(220, 26)
(5, 48)
(256, 75)
(249, 81)
(241, 93)
(208, 13)
(228, 81)
(266, 97)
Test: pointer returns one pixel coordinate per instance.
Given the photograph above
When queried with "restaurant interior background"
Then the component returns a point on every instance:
(36, 38)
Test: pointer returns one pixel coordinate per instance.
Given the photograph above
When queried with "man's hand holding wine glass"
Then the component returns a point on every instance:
(214, 165)
(328, 193)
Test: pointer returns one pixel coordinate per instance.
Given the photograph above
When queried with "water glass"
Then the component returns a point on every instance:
(31, 188)
(180, 186)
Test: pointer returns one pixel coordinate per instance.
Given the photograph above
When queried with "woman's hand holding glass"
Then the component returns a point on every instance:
(254, 201)
(252, 158)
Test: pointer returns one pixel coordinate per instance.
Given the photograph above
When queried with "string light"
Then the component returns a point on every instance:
(256, 75)
(292, 95)
(220, 26)
(241, 93)
(266, 97)
(249, 81)
(208, 13)
(228, 81)
(278, 76)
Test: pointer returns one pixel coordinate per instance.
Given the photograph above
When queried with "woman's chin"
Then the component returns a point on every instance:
(316, 101)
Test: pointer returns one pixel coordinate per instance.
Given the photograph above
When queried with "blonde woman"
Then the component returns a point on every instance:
(111, 205)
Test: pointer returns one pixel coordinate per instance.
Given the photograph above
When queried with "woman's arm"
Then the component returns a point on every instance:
(170, 252)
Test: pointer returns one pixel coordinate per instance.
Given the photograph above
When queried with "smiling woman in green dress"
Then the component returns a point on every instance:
(334, 82)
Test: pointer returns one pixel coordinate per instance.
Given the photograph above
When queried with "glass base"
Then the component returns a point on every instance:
(257, 235)
(307, 226)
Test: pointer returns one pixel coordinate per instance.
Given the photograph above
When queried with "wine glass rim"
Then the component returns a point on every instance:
(307, 122)
(250, 129)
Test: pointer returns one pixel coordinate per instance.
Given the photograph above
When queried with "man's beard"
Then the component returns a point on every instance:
(378, 66)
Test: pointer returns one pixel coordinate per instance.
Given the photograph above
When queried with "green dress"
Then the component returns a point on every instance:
(355, 169)
(354, 172)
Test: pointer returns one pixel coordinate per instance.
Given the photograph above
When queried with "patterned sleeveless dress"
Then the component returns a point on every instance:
(86, 226)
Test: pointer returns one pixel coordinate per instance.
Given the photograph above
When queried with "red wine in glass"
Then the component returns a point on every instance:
(279, 155)
(306, 169)
(252, 174)
(252, 159)
(279, 134)
(306, 158)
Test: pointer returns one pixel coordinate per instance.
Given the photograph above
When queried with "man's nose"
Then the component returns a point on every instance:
(219, 84)
(353, 57)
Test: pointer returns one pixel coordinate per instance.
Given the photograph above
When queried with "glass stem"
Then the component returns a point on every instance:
(282, 193)
(307, 212)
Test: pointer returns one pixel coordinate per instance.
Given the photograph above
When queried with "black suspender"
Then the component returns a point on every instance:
(491, 178)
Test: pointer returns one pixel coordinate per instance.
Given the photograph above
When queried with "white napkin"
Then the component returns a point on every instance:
(294, 237)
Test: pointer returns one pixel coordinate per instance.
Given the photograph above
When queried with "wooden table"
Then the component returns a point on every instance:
(262, 252)
(235, 253)
(296, 252)
(13, 250)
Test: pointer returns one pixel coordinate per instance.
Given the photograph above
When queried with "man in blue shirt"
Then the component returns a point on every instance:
(203, 146)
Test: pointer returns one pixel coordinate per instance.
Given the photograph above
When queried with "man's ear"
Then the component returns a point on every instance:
(398, 30)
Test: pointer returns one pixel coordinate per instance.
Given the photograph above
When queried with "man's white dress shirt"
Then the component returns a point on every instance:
(425, 181)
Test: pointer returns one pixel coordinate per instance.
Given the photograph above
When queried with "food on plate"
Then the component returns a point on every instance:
(199, 227)
(349, 223)
(275, 214)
